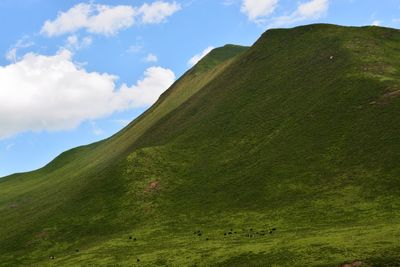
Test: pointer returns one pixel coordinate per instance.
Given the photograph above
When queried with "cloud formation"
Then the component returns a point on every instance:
(53, 93)
(376, 23)
(256, 9)
(74, 43)
(196, 58)
(312, 9)
(157, 12)
(24, 42)
(150, 58)
(260, 11)
(107, 20)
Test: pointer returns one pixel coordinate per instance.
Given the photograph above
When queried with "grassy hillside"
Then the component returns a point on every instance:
(283, 154)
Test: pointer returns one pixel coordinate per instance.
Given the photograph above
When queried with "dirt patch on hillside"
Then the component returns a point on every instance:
(13, 206)
(42, 235)
(355, 263)
(387, 98)
(392, 94)
(153, 186)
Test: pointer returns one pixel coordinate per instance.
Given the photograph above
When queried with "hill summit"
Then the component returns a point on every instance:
(285, 153)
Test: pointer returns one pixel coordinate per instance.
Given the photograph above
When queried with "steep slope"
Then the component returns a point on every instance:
(77, 185)
(299, 133)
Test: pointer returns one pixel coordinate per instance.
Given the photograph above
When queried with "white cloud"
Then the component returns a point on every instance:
(136, 48)
(228, 2)
(146, 91)
(12, 54)
(312, 9)
(94, 18)
(376, 23)
(196, 58)
(256, 9)
(157, 12)
(107, 20)
(74, 43)
(24, 42)
(53, 93)
(151, 58)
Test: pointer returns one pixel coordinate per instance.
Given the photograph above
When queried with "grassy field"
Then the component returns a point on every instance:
(282, 154)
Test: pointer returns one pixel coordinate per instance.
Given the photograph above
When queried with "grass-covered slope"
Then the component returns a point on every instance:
(300, 133)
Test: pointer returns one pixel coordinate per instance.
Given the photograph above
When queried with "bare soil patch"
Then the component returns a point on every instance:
(42, 235)
(356, 263)
(152, 187)
(386, 98)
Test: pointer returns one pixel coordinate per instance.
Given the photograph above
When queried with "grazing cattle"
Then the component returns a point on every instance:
(134, 239)
(199, 234)
(52, 257)
(130, 237)
(77, 250)
(137, 260)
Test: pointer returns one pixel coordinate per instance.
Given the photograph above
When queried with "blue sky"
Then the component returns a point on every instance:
(74, 72)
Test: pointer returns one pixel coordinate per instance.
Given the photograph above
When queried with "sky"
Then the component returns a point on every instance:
(75, 72)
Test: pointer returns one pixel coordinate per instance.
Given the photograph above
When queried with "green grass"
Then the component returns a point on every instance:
(279, 135)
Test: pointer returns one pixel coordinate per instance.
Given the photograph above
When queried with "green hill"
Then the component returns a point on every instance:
(282, 154)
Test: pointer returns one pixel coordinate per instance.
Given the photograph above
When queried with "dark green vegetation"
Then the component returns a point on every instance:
(300, 132)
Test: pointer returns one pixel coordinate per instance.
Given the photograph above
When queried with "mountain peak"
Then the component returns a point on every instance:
(218, 55)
